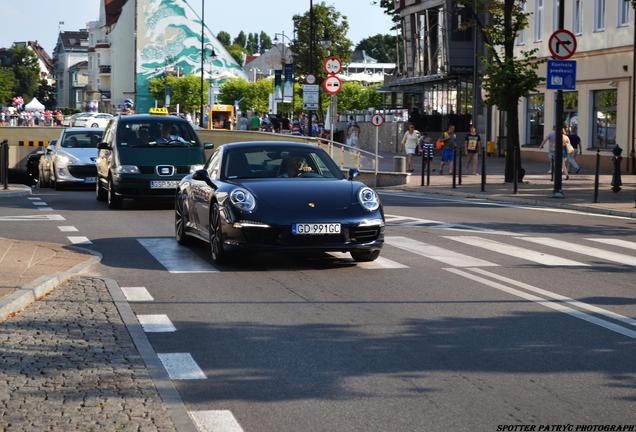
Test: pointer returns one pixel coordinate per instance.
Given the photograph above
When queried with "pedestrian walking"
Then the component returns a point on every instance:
(472, 148)
(551, 140)
(575, 141)
(567, 149)
(448, 150)
(353, 135)
(410, 141)
(255, 123)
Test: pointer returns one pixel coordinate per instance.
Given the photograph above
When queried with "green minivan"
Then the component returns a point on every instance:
(144, 157)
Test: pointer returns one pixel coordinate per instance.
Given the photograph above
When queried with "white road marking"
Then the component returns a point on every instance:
(81, 240)
(583, 250)
(32, 218)
(156, 323)
(181, 366)
(380, 263)
(39, 203)
(45, 208)
(515, 251)
(67, 228)
(215, 421)
(555, 296)
(137, 294)
(34, 198)
(176, 258)
(547, 303)
(437, 253)
(427, 223)
(615, 242)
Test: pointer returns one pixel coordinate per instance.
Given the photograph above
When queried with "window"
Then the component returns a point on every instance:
(521, 37)
(604, 120)
(555, 15)
(577, 17)
(571, 109)
(535, 118)
(623, 12)
(538, 20)
(599, 15)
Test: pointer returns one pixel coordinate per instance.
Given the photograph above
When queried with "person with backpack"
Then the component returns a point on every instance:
(449, 140)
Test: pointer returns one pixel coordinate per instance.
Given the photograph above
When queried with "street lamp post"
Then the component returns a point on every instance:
(284, 62)
(202, 57)
(311, 54)
(558, 148)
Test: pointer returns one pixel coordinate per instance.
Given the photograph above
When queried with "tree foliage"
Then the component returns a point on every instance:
(241, 39)
(265, 42)
(327, 21)
(23, 65)
(7, 85)
(355, 96)
(225, 38)
(186, 91)
(389, 9)
(46, 94)
(381, 47)
(236, 52)
(251, 96)
(252, 43)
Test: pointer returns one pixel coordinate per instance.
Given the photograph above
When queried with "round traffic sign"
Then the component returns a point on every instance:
(333, 85)
(310, 79)
(332, 65)
(562, 44)
(377, 120)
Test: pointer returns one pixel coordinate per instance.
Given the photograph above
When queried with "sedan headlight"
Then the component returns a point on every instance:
(243, 200)
(127, 169)
(64, 159)
(194, 168)
(368, 199)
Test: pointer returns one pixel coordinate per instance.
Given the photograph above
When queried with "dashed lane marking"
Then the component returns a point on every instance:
(517, 252)
(39, 203)
(32, 218)
(176, 258)
(615, 242)
(67, 228)
(34, 198)
(558, 306)
(79, 240)
(583, 250)
(181, 366)
(380, 263)
(215, 421)
(137, 294)
(45, 208)
(437, 253)
(156, 323)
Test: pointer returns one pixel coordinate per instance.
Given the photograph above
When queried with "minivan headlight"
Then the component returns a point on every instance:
(194, 168)
(127, 169)
(243, 200)
(368, 199)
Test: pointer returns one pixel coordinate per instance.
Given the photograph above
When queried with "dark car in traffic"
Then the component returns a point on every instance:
(278, 196)
(145, 156)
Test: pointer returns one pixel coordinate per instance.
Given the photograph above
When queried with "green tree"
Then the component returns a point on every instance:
(225, 38)
(251, 96)
(508, 76)
(327, 20)
(252, 43)
(241, 39)
(236, 52)
(186, 91)
(7, 85)
(46, 94)
(265, 42)
(389, 9)
(355, 96)
(381, 47)
(26, 71)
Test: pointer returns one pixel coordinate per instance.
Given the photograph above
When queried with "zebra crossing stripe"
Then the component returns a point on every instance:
(437, 253)
(181, 366)
(156, 323)
(517, 252)
(615, 242)
(215, 421)
(379, 263)
(583, 250)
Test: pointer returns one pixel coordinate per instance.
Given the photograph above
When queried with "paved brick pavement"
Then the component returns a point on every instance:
(67, 363)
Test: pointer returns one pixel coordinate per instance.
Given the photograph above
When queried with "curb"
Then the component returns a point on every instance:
(514, 200)
(15, 193)
(23, 297)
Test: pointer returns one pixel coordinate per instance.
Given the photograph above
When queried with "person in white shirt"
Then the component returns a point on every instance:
(409, 145)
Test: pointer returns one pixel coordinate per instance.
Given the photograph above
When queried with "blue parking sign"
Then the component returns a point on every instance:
(561, 75)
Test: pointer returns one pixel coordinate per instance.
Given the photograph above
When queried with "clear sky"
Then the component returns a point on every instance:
(38, 19)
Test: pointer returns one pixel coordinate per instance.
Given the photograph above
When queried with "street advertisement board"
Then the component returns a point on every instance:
(311, 97)
(288, 83)
(278, 85)
(561, 75)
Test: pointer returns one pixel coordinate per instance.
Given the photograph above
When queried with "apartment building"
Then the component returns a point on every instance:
(71, 49)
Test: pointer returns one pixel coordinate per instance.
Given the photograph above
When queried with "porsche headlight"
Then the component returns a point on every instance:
(368, 199)
(243, 200)
(194, 168)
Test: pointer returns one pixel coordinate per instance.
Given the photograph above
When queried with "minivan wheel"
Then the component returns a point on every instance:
(114, 201)
(100, 193)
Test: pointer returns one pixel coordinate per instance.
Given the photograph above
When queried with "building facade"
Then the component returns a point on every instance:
(71, 49)
(600, 108)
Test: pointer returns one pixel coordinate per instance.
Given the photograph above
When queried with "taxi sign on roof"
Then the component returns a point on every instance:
(158, 111)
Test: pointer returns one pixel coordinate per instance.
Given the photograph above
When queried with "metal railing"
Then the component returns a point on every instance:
(4, 164)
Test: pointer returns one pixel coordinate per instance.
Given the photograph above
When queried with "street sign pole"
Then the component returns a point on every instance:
(557, 191)
(377, 158)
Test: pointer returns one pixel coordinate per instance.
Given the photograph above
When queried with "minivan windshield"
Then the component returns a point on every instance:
(81, 139)
(156, 133)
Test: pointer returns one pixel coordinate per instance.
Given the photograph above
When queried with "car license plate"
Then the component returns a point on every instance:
(164, 184)
(90, 180)
(316, 228)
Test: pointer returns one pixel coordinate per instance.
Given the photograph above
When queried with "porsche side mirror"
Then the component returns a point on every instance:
(208, 146)
(353, 173)
(201, 175)
(103, 146)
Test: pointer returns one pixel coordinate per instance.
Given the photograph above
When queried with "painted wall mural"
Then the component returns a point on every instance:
(169, 39)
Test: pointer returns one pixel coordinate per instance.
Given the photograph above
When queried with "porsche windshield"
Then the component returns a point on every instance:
(279, 162)
(156, 133)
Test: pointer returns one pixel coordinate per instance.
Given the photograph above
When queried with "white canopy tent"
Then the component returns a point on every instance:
(34, 105)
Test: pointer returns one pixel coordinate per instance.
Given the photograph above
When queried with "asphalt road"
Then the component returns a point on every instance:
(465, 324)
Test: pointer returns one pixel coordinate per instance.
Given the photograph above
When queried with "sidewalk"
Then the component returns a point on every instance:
(536, 188)
(14, 191)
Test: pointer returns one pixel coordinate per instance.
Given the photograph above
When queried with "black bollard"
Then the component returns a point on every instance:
(423, 165)
(596, 174)
(461, 153)
(483, 169)
(4, 164)
(515, 180)
(552, 169)
(616, 175)
(455, 168)
(428, 170)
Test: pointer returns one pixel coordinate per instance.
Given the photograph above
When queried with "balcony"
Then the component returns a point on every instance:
(104, 69)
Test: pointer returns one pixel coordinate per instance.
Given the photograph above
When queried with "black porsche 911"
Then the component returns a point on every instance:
(278, 196)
